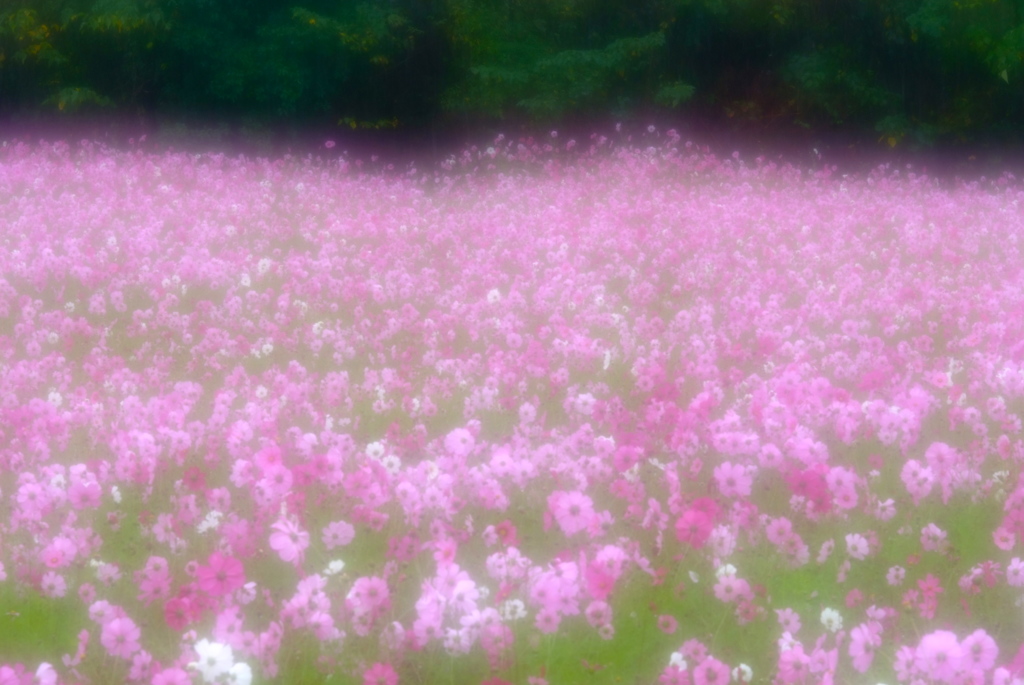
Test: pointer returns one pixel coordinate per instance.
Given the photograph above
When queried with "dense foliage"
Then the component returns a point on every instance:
(920, 70)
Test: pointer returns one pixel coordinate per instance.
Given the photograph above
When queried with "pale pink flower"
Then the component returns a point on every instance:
(120, 637)
(54, 585)
(939, 656)
(711, 671)
(857, 546)
(1004, 539)
(459, 442)
(733, 480)
(288, 540)
(980, 651)
(1015, 573)
(338, 534)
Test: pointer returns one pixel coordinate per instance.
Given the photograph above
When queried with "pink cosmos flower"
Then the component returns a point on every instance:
(120, 637)
(933, 538)
(59, 553)
(673, 675)
(599, 582)
(939, 656)
(45, 675)
(178, 613)
(288, 540)
(459, 442)
(53, 585)
(338, 534)
(857, 546)
(1004, 539)
(172, 676)
(598, 613)
(380, 674)
(711, 671)
(547, 621)
(694, 527)
(572, 510)
(667, 624)
(221, 576)
(733, 480)
(85, 495)
(980, 651)
(864, 639)
(789, 620)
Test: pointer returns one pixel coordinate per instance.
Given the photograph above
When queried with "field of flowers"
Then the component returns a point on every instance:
(561, 412)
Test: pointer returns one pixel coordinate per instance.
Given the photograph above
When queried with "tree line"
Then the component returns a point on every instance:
(922, 71)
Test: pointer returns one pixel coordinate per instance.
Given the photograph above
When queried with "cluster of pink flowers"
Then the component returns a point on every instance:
(634, 395)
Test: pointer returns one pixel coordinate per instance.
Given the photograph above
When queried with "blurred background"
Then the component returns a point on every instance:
(847, 78)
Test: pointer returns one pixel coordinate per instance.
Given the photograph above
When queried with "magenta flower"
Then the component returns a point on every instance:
(694, 527)
(599, 582)
(178, 613)
(222, 576)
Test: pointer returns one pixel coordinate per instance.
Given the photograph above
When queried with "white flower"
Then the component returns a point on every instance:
(261, 392)
(115, 494)
(375, 450)
(726, 570)
(677, 660)
(211, 522)
(240, 674)
(513, 610)
(392, 463)
(55, 398)
(742, 673)
(263, 266)
(335, 567)
(694, 577)
(267, 348)
(832, 621)
(214, 661)
(247, 593)
(493, 296)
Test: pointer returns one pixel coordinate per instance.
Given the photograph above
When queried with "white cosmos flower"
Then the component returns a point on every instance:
(214, 661)
(240, 674)
(832, 621)
(742, 673)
